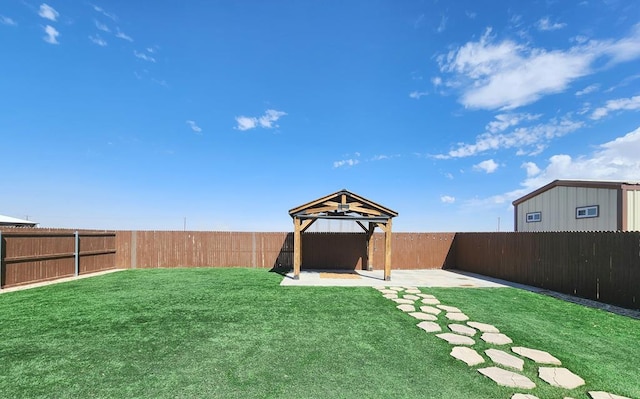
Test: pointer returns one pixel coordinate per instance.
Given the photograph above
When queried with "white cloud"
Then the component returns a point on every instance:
(532, 169)
(418, 94)
(534, 137)
(447, 199)
(627, 104)
(270, 117)
(506, 75)
(267, 121)
(587, 90)
(345, 162)
(545, 24)
(443, 24)
(436, 81)
(246, 122)
(144, 56)
(505, 121)
(123, 36)
(7, 21)
(194, 126)
(488, 166)
(471, 14)
(98, 40)
(103, 12)
(48, 12)
(51, 35)
(101, 26)
(448, 176)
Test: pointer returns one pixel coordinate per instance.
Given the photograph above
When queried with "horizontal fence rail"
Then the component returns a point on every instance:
(34, 255)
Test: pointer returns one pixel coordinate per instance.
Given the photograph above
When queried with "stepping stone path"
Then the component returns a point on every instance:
(467, 355)
(536, 355)
(560, 377)
(505, 359)
(461, 335)
(456, 339)
(430, 309)
(457, 316)
(496, 338)
(507, 378)
(406, 308)
(429, 326)
(462, 330)
(423, 316)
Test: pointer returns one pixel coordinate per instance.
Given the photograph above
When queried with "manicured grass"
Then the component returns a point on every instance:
(235, 333)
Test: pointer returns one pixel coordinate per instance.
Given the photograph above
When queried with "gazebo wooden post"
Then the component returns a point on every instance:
(297, 247)
(372, 227)
(387, 251)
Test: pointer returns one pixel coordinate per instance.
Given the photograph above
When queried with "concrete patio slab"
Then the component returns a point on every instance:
(467, 355)
(504, 359)
(451, 309)
(390, 296)
(412, 291)
(426, 296)
(399, 278)
(536, 355)
(507, 378)
(430, 301)
(411, 297)
(560, 377)
(402, 300)
(523, 396)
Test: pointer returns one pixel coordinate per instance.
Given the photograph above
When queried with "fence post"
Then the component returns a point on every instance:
(76, 237)
(253, 250)
(1, 261)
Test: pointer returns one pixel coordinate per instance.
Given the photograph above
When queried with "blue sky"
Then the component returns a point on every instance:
(136, 115)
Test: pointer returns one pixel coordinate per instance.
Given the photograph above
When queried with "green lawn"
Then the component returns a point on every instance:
(235, 333)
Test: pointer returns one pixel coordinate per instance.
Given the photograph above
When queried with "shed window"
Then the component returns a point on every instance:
(534, 217)
(591, 211)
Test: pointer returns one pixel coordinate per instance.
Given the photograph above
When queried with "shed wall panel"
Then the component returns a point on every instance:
(633, 210)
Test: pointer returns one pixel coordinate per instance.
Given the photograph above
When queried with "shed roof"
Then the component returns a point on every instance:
(11, 221)
(609, 184)
(343, 204)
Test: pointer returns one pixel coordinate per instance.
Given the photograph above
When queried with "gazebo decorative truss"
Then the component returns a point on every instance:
(344, 205)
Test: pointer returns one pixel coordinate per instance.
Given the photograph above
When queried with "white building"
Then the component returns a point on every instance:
(579, 205)
(8, 221)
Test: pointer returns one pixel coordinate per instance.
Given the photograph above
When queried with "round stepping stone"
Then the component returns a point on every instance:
(560, 377)
(429, 326)
(430, 309)
(505, 359)
(462, 330)
(412, 297)
(537, 356)
(507, 378)
(390, 296)
(427, 296)
(430, 301)
(496, 338)
(457, 316)
(451, 309)
(402, 300)
(524, 396)
(412, 291)
(488, 328)
(410, 288)
(396, 288)
(423, 316)
(385, 291)
(456, 339)
(605, 395)
(406, 308)
(467, 355)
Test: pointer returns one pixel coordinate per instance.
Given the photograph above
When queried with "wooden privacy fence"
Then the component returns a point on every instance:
(603, 266)
(34, 255)
(151, 249)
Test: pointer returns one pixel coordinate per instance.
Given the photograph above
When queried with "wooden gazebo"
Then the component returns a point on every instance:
(344, 205)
